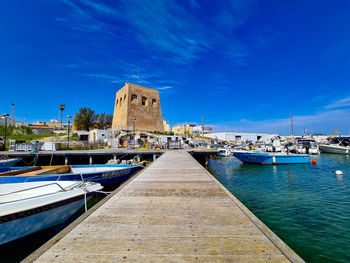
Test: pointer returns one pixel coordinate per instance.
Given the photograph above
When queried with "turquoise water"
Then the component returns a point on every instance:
(307, 206)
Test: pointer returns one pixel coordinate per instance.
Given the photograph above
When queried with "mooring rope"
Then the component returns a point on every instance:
(34, 160)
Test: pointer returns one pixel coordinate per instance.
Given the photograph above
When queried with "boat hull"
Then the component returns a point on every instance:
(266, 158)
(20, 224)
(9, 163)
(334, 149)
(105, 178)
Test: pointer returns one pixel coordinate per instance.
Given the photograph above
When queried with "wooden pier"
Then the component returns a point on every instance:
(173, 211)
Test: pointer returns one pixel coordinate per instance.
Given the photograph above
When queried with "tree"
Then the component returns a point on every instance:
(108, 120)
(84, 119)
(104, 121)
(62, 107)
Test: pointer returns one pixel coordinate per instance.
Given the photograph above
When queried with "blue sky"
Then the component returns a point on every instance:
(244, 64)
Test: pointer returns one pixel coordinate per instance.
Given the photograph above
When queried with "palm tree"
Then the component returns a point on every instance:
(62, 107)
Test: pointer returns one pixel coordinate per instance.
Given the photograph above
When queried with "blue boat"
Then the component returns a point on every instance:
(271, 158)
(105, 174)
(9, 162)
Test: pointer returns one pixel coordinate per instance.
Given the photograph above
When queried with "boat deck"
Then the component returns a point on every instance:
(173, 211)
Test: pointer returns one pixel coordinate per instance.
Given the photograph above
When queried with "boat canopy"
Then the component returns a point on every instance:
(342, 138)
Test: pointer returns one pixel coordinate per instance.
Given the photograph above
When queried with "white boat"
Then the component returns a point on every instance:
(26, 208)
(224, 152)
(307, 146)
(340, 145)
(275, 146)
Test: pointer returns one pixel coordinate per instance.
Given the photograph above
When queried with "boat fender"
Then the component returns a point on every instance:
(314, 162)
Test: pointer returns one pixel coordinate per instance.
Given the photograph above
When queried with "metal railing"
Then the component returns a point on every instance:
(35, 187)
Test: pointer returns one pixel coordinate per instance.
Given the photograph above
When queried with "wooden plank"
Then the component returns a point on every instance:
(174, 211)
(48, 170)
(20, 171)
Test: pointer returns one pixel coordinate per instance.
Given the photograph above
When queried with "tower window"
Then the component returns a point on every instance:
(133, 97)
(144, 100)
(154, 102)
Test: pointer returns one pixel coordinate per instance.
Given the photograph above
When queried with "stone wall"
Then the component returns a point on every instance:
(142, 103)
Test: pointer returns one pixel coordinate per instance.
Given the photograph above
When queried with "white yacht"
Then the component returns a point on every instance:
(340, 145)
(26, 208)
(308, 146)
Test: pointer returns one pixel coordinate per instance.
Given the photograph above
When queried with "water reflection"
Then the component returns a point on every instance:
(274, 169)
(340, 177)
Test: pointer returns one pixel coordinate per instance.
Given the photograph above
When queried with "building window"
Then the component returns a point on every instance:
(124, 97)
(121, 100)
(154, 102)
(144, 100)
(116, 104)
(133, 98)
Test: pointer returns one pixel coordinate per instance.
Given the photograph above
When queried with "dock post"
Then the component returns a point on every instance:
(66, 160)
(90, 160)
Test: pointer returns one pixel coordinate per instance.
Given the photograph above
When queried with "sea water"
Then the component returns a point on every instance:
(307, 206)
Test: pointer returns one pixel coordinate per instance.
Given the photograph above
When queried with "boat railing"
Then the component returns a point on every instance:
(35, 187)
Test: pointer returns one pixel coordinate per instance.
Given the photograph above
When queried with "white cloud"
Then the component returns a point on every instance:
(105, 77)
(343, 103)
(165, 88)
(171, 30)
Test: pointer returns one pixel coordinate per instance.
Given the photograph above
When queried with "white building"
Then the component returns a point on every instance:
(100, 136)
(241, 137)
(171, 142)
(19, 123)
(198, 130)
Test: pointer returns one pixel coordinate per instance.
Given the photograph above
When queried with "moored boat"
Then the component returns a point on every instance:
(307, 146)
(9, 162)
(26, 208)
(271, 158)
(339, 145)
(224, 152)
(105, 174)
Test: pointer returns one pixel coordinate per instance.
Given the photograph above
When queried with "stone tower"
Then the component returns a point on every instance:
(140, 103)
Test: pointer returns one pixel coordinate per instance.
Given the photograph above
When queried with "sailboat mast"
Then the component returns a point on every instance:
(291, 123)
(202, 127)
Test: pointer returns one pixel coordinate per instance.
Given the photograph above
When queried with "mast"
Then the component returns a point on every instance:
(202, 127)
(291, 122)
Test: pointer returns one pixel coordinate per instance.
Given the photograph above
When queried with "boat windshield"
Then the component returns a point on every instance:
(342, 141)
